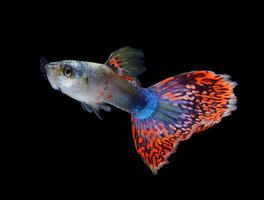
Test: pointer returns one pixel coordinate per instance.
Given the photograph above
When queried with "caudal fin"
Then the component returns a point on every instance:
(187, 103)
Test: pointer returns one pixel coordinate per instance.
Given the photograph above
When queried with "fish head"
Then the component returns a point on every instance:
(66, 75)
(81, 80)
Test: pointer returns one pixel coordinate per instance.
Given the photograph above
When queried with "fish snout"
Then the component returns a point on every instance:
(51, 65)
(46, 66)
(53, 75)
(52, 69)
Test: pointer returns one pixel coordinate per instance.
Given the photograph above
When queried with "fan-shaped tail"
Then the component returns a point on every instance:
(186, 104)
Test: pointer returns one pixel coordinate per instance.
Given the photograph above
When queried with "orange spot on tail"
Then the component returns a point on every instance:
(170, 96)
(140, 140)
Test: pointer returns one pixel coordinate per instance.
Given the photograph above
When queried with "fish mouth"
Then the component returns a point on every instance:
(51, 73)
(52, 81)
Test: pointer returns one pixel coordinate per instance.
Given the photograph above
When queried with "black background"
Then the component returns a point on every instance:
(57, 142)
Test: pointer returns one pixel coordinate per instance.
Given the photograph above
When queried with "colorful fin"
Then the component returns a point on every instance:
(186, 104)
(127, 62)
(95, 108)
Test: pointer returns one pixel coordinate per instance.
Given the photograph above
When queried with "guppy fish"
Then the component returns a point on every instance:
(162, 115)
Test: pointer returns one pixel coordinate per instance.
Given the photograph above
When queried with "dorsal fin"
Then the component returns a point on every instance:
(127, 62)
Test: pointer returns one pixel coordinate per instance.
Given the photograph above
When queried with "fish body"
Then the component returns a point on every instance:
(163, 115)
(92, 84)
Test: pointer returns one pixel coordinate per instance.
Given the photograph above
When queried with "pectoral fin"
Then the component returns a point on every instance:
(95, 108)
(87, 107)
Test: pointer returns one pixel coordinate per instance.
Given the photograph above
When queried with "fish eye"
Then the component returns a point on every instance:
(67, 71)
